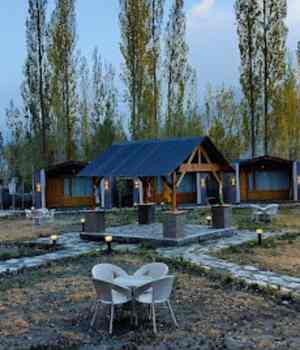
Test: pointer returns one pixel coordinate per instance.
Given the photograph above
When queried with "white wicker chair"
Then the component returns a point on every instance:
(110, 294)
(153, 270)
(156, 292)
(107, 272)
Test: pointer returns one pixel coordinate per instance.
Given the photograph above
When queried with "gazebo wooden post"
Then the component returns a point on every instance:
(174, 192)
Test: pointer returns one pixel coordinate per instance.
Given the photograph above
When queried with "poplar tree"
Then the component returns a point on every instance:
(248, 14)
(63, 81)
(35, 88)
(272, 45)
(134, 45)
(176, 69)
(84, 109)
(156, 15)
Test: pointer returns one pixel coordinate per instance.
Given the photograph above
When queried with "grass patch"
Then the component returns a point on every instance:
(277, 254)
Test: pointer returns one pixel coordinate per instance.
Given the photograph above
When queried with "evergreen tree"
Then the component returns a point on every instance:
(248, 14)
(176, 69)
(63, 81)
(35, 89)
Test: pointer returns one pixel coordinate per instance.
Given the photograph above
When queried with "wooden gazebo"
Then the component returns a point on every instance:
(169, 159)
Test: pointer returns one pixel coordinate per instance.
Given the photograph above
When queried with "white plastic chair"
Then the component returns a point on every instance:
(107, 272)
(153, 270)
(271, 211)
(156, 292)
(110, 294)
(28, 214)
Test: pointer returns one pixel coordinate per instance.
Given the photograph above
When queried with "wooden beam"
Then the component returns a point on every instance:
(167, 183)
(206, 156)
(198, 168)
(188, 162)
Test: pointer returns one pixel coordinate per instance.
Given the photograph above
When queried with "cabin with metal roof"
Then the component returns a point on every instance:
(267, 178)
(58, 186)
(181, 169)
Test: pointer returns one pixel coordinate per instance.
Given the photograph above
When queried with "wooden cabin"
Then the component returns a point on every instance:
(59, 187)
(267, 179)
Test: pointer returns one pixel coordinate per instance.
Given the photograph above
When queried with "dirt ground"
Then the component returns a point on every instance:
(21, 229)
(281, 255)
(50, 308)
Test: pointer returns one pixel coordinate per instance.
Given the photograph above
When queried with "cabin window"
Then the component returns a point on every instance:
(78, 187)
(272, 180)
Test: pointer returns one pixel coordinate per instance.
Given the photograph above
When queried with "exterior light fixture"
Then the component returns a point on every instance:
(54, 239)
(233, 181)
(259, 233)
(203, 183)
(136, 184)
(209, 220)
(108, 239)
(106, 185)
(298, 180)
(82, 221)
(38, 187)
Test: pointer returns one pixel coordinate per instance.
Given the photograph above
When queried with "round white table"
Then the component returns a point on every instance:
(133, 282)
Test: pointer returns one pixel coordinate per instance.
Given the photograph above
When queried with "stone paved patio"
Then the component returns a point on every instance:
(153, 234)
(72, 246)
(200, 255)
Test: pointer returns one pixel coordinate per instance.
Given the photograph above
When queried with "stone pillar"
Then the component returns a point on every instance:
(95, 222)
(173, 226)
(146, 213)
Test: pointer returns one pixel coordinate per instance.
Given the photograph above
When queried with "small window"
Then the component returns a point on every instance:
(78, 187)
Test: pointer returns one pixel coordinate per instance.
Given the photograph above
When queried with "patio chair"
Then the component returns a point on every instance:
(154, 293)
(28, 214)
(112, 295)
(154, 270)
(271, 211)
(257, 212)
(107, 272)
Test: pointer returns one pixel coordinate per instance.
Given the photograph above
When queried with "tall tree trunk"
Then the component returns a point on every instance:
(155, 87)
(266, 72)
(41, 89)
(252, 100)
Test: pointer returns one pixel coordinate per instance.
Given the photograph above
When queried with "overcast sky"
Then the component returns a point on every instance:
(211, 35)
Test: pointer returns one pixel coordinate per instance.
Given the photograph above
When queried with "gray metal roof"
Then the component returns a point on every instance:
(148, 158)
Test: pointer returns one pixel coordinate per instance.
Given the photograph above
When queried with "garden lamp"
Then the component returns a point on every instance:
(82, 224)
(259, 233)
(108, 239)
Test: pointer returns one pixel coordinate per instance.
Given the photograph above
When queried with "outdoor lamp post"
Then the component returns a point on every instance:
(209, 220)
(259, 233)
(108, 240)
(54, 239)
(82, 224)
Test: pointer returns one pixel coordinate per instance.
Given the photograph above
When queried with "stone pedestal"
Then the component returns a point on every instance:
(221, 216)
(95, 222)
(173, 226)
(146, 213)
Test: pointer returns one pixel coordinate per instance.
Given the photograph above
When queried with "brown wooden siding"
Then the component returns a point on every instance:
(55, 197)
(256, 195)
